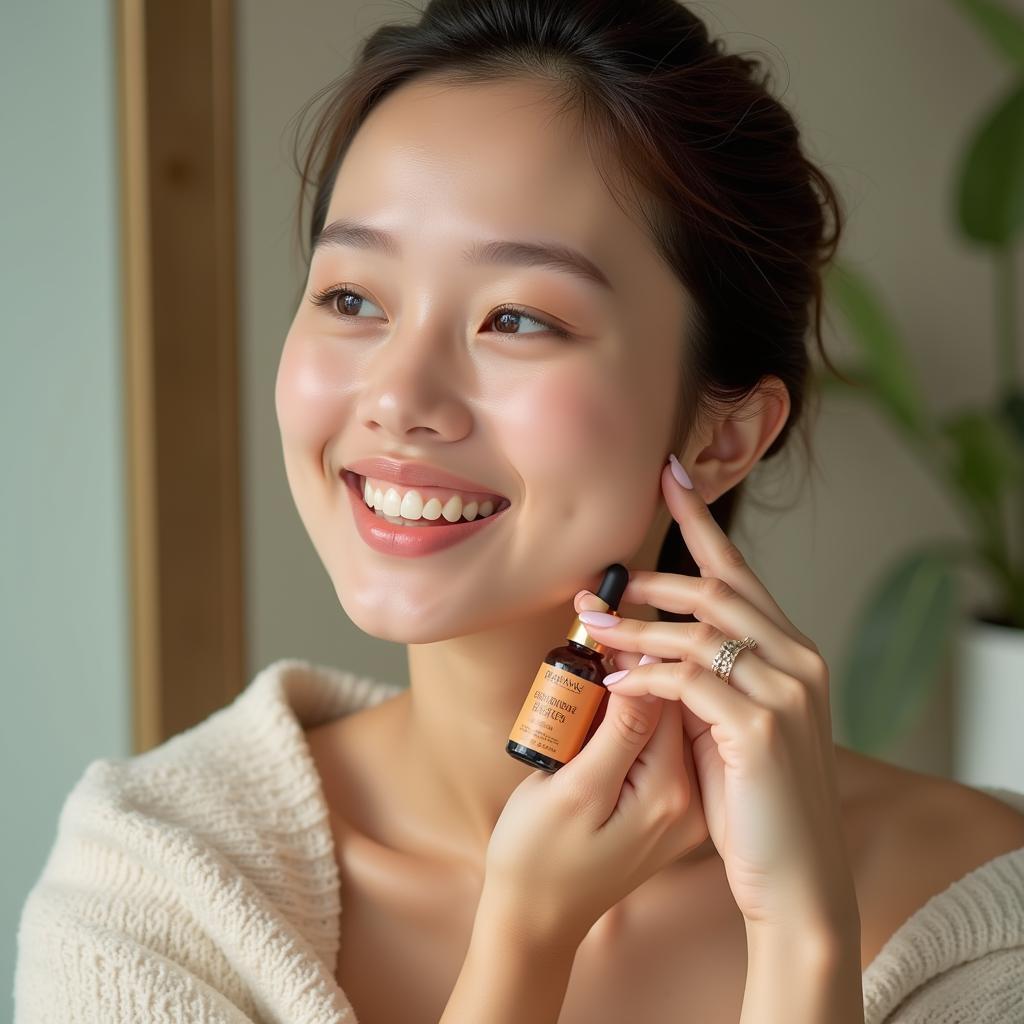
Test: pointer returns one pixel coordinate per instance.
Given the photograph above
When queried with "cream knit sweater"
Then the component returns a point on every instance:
(196, 883)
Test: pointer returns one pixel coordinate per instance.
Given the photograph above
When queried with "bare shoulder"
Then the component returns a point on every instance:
(959, 827)
(954, 827)
(918, 834)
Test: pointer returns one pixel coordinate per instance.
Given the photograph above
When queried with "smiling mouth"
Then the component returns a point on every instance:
(433, 512)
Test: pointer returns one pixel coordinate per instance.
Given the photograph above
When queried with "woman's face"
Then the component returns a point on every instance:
(415, 363)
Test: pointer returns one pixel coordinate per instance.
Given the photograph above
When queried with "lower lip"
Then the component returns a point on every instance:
(408, 541)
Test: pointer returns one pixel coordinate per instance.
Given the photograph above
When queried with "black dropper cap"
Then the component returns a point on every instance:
(613, 584)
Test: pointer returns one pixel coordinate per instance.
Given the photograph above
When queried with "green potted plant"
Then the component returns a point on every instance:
(909, 626)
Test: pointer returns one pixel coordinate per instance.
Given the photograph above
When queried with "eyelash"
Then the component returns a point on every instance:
(327, 296)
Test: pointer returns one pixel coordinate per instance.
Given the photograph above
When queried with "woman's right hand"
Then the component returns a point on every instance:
(569, 845)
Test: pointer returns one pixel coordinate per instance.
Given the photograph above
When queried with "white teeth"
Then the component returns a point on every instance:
(392, 503)
(398, 521)
(412, 505)
(396, 506)
(452, 510)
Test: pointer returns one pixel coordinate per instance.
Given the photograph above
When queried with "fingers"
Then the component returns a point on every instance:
(713, 600)
(595, 776)
(714, 552)
(716, 702)
(698, 643)
(659, 766)
(585, 600)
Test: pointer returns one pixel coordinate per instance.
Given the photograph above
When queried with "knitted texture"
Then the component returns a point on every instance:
(197, 883)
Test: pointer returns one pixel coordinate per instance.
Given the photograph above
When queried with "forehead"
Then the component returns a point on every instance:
(437, 160)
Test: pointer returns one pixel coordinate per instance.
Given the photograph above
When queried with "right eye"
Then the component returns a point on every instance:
(350, 306)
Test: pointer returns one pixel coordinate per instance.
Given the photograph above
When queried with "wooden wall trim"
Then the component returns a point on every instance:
(181, 410)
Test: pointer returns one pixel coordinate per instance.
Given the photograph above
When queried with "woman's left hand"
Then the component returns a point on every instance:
(762, 742)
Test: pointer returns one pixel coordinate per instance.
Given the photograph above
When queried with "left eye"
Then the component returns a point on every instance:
(508, 315)
(328, 296)
(515, 313)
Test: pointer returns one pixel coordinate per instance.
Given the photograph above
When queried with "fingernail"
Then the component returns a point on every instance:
(599, 619)
(615, 677)
(678, 472)
(648, 659)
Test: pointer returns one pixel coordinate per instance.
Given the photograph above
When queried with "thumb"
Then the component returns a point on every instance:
(597, 772)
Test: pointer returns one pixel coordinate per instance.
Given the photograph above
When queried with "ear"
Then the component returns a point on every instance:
(732, 445)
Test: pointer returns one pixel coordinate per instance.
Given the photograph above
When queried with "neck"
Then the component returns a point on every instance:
(453, 722)
(463, 698)
(452, 726)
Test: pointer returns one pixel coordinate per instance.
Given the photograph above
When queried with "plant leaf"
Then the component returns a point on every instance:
(1012, 411)
(990, 188)
(987, 458)
(886, 364)
(899, 642)
(1001, 26)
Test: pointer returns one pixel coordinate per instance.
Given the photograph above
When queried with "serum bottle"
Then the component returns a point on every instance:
(555, 721)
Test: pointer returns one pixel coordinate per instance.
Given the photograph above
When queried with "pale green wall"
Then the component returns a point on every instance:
(63, 607)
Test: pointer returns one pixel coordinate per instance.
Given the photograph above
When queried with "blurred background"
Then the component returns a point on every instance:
(152, 559)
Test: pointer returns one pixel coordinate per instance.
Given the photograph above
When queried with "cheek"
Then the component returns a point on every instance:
(581, 441)
(559, 419)
(309, 392)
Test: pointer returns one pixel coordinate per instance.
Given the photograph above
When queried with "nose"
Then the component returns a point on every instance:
(413, 385)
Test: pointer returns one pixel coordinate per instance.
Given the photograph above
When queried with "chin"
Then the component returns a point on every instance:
(398, 623)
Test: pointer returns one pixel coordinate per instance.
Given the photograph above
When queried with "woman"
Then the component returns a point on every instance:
(551, 244)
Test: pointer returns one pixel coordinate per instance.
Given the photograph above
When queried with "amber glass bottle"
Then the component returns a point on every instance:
(566, 700)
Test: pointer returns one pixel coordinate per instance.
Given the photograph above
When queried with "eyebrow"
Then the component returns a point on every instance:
(560, 258)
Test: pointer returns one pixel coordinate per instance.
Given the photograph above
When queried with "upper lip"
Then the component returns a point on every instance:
(414, 474)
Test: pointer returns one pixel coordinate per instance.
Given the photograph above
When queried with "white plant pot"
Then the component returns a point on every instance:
(988, 705)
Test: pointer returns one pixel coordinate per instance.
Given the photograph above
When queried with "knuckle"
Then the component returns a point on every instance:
(795, 696)
(763, 726)
(689, 670)
(669, 807)
(817, 668)
(731, 555)
(705, 633)
(631, 726)
(715, 589)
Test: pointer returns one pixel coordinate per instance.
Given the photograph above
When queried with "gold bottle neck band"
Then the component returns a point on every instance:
(578, 632)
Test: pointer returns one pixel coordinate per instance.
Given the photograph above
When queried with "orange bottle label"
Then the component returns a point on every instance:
(557, 713)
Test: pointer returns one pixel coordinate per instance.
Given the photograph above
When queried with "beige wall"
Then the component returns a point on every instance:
(885, 94)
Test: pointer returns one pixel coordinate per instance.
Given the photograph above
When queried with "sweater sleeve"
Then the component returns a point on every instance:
(104, 936)
(76, 971)
(989, 990)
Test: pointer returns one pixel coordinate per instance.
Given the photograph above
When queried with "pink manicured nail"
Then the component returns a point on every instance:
(615, 677)
(649, 659)
(678, 472)
(599, 619)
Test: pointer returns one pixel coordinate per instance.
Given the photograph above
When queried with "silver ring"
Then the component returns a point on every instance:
(722, 665)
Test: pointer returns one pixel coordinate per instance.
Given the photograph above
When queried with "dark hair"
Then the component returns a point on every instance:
(712, 160)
